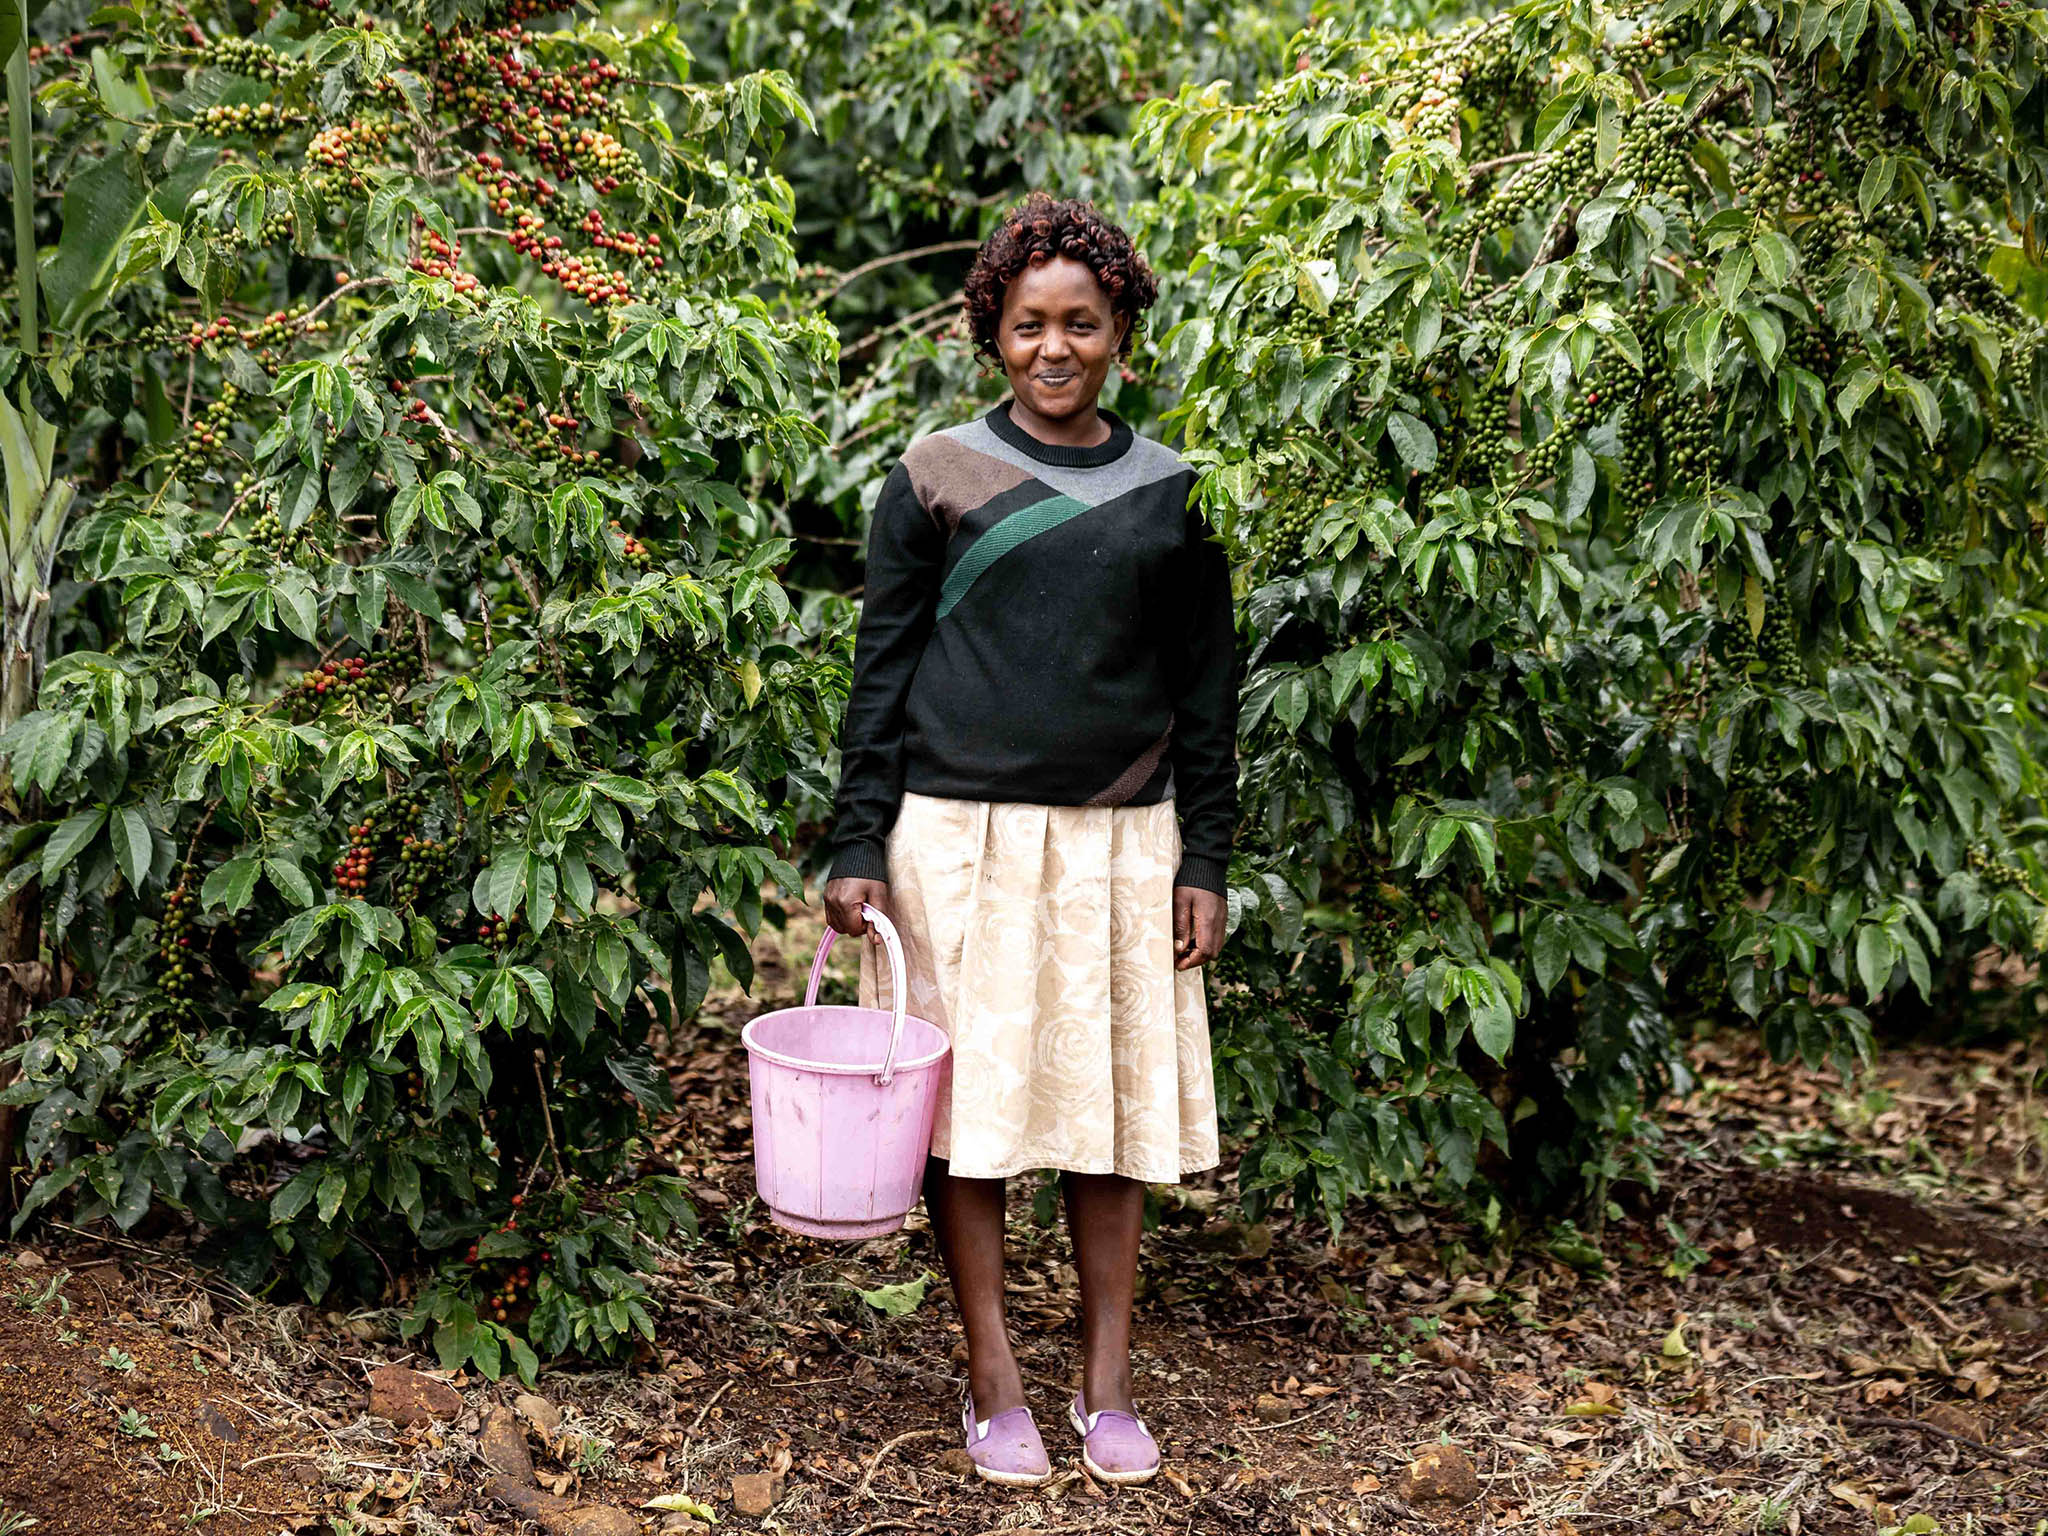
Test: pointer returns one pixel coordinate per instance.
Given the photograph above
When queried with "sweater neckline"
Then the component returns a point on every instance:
(1068, 455)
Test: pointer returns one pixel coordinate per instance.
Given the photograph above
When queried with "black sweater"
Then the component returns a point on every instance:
(1041, 623)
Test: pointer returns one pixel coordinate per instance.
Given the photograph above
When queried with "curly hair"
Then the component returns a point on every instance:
(1040, 228)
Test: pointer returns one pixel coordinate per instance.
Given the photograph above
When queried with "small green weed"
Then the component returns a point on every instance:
(29, 1299)
(118, 1360)
(1686, 1255)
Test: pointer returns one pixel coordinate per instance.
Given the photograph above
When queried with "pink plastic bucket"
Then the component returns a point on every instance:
(843, 1105)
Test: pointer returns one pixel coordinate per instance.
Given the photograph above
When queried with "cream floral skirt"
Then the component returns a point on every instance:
(1040, 939)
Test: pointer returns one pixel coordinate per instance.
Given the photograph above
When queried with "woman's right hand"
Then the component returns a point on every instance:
(844, 898)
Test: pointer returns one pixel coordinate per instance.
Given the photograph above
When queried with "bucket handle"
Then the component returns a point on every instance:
(898, 986)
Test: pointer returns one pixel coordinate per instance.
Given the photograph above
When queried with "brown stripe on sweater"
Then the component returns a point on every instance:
(952, 479)
(1132, 779)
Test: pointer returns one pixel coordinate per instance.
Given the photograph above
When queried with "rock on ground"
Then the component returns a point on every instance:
(1272, 1410)
(502, 1444)
(406, 1397)
(559, 1517)
(540, 1413)
(1442, 1474)
(753, 1494)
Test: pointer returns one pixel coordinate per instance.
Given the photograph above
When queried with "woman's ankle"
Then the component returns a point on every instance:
(1107, 1384)
(997, 1385)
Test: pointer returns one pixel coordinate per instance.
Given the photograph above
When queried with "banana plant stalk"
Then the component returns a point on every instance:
(30, 531)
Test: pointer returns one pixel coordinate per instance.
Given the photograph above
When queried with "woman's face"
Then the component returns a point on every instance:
(1057, 337)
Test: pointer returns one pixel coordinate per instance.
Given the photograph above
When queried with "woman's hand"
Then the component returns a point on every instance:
(1198, 916)
(844, 898)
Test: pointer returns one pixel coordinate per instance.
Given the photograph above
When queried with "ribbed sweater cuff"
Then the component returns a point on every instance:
(861, 861)
(1207, 874)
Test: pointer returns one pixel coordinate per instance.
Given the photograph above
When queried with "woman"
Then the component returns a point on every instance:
(1039, 788)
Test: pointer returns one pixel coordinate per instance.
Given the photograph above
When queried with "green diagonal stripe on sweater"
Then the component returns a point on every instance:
(1025, 523)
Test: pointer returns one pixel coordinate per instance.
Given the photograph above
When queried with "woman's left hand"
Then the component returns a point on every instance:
(1198, 916)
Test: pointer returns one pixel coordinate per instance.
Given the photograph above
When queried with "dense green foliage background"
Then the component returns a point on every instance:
(1624, 424)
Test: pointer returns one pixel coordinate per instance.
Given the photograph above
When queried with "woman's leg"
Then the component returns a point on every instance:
(1105, 1214)
(967, 1216)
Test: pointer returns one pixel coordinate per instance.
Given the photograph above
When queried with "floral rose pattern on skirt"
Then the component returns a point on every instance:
(1040, 939)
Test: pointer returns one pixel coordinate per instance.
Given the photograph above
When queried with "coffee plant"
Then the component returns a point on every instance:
(427, 712)
(1631, 448)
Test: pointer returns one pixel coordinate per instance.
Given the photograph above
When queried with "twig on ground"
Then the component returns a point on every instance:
(1299, 1418)
(1884, 1421)
(257, 1461)
(705, 1412)
(902, 1439)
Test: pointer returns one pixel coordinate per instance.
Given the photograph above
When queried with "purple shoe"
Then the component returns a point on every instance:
(1006, 1449)
(1116, 1446)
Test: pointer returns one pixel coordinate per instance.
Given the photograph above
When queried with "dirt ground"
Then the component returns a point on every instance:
(1832, 1318)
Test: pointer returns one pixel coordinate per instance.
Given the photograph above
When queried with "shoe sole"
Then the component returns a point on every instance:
(1121, 1479)
(1013, 1479)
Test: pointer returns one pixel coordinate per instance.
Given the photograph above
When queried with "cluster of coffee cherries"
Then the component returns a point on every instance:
(498, 931)
(1775, 645)
(338, 146)
(398, 817)
(267, 531)
(505, 189)
(353, 869)
(1729, 860)
(645, 248)
(1689, 451)
(275, 228)
(211, 330)
(177, 965)
(205, 443)
(1643, 48)
(1683, 695)
(246, 56)
(1997, 870)
(1557, 175)
(70, 48)
(482, 71)
(1295, 495)
(1379, 918)
(437, 258)
(1488, 454)
(356, 680)
(1434, 112)
(591, 280)
(523, 10)
(421, 861)
(602, 158)
(540, 432)
(249, 117)
(1650, 155)
(417, 411)
(534, 109)
(1828, 231)
(1542, 461)
(995, 67)
(637, 554)
(273, 330)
